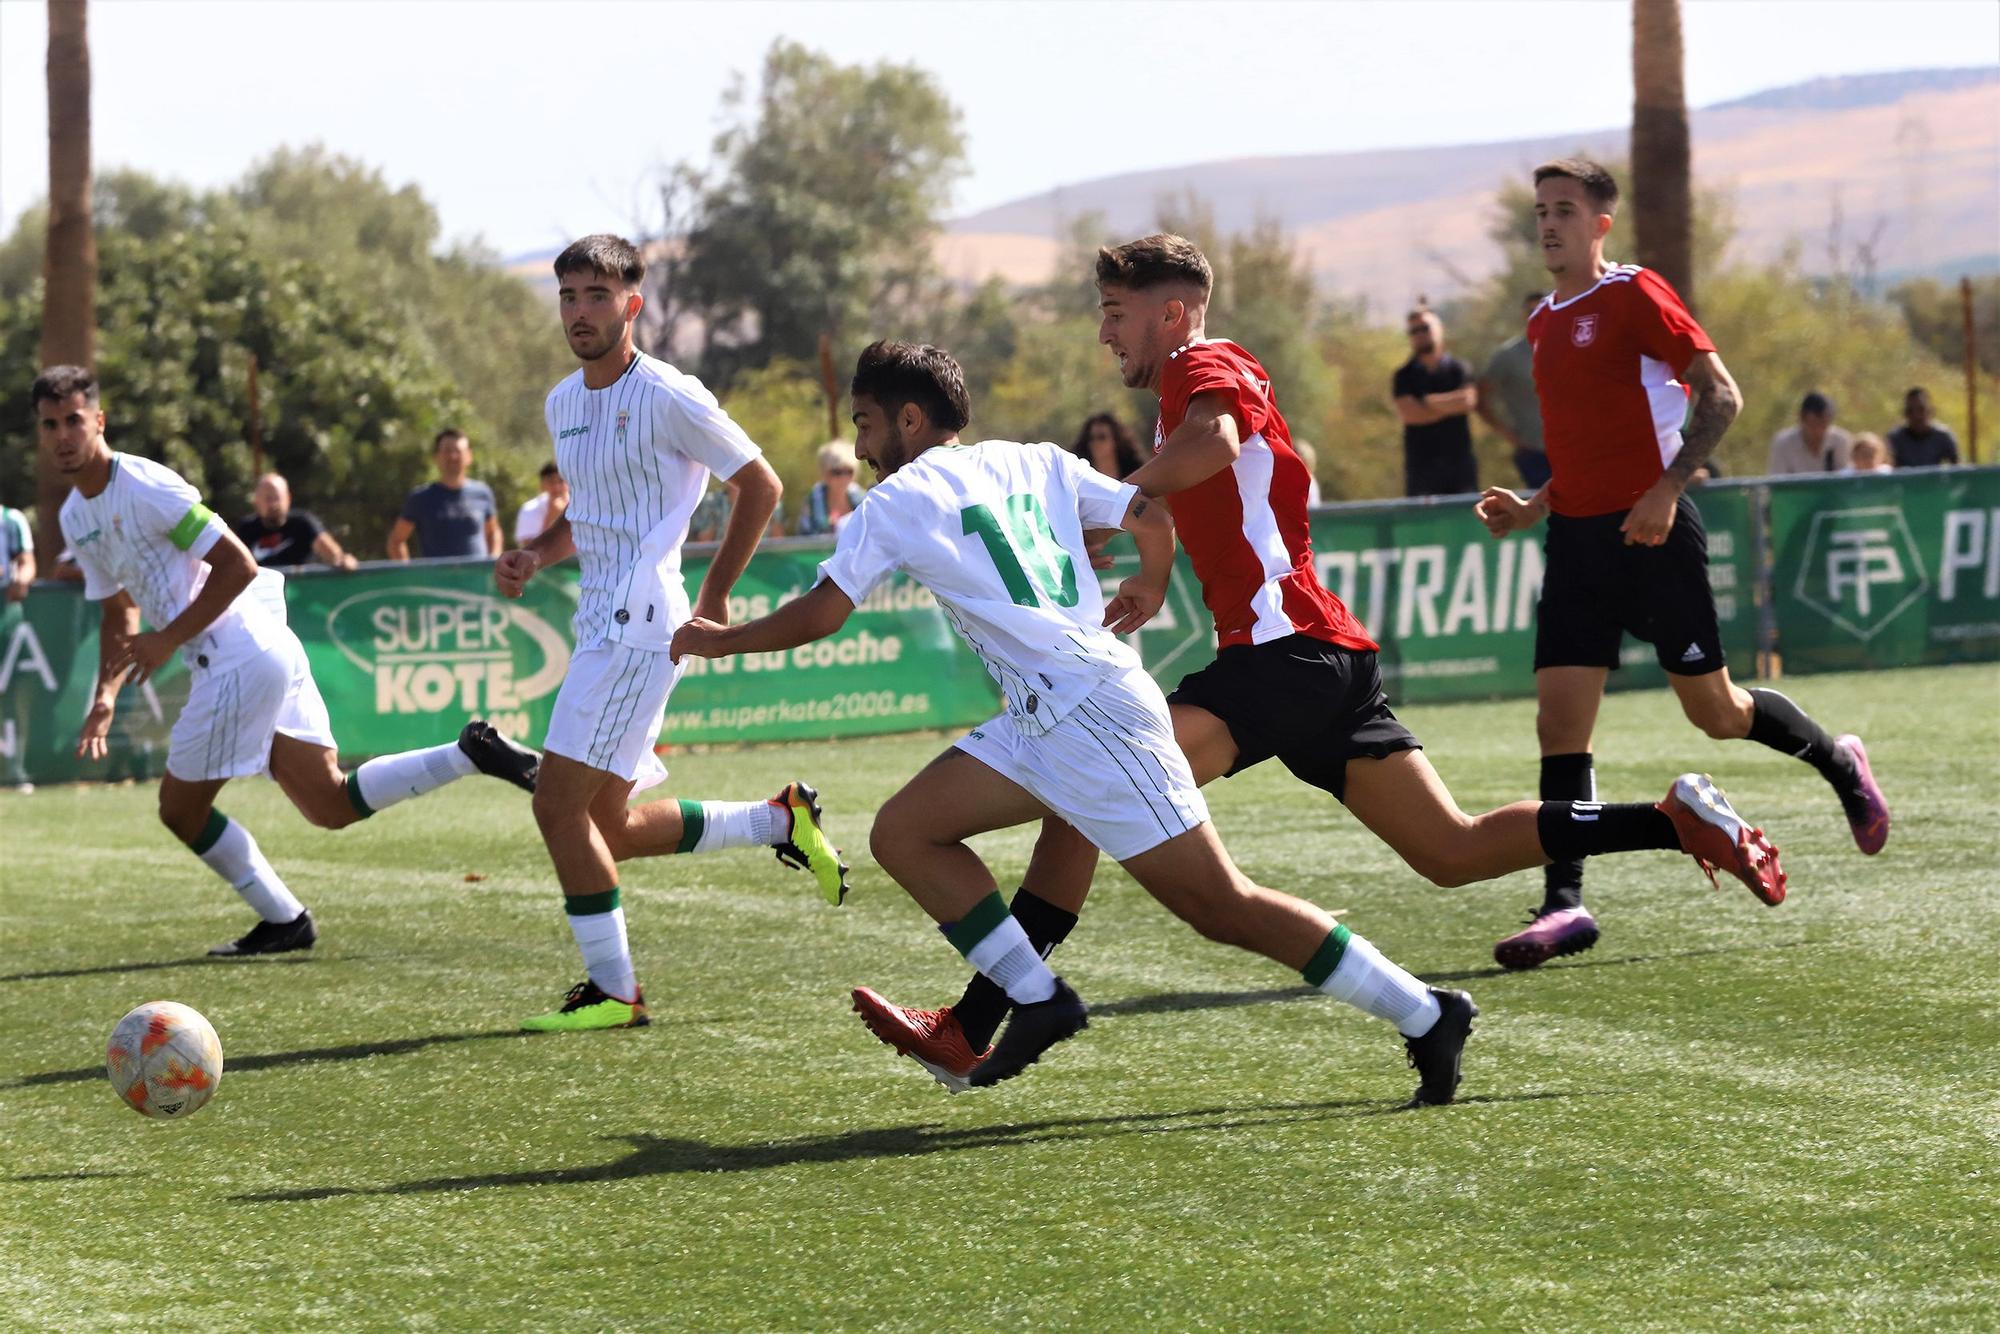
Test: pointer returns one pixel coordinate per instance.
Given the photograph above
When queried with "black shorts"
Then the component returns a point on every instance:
(1596, 589)
(1312, 704)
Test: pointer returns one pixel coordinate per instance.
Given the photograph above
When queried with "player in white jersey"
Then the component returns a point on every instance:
(996, 532)
(149, 548)
(638, 441)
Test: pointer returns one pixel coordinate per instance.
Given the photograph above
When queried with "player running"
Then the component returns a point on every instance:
(1616, 357)
(638, 441)
(148, 547)
(1295, 676)
(995, 530)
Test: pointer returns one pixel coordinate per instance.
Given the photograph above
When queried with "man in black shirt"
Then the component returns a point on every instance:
(1920, 442)
(277, 534)
(1434, 395)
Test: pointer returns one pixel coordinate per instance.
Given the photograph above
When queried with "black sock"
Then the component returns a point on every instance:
(1577, 829)
(982, 1007)
(1565, 778)
(1783, 725)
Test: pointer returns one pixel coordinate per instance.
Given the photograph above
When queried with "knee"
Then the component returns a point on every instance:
(887, 842)
(549, 808)
(618, 841)
(184, 825)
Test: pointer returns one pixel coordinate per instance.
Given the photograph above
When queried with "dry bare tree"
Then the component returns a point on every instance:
(1662, 169)
(69, 264)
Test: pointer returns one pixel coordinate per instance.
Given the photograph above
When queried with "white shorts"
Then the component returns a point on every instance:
(609, 710)
(1110, 766)
(226, 726)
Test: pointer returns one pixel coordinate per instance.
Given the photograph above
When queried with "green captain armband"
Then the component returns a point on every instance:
(189, 528)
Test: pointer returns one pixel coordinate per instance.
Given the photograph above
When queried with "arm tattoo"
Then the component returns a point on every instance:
(1139, 504)
(1713, 410)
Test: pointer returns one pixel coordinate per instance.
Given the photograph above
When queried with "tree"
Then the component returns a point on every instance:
(351, 393)
(1662, 171)
(817, 215)
(69, 306)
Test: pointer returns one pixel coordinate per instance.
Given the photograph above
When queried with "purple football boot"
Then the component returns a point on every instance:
(1549, 935)
(1867, 809)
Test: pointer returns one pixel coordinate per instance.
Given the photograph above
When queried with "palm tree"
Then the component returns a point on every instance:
(1662, 188)
(69, 264)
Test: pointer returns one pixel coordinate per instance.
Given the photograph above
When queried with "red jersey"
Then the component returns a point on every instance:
(1606, 368)
(1245, 529)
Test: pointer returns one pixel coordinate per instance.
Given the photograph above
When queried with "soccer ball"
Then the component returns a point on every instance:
(165, 1060)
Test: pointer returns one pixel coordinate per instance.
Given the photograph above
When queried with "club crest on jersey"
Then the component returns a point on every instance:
(1583, 330)
(619, 433)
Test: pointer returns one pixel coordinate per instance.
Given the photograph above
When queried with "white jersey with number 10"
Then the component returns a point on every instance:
(995, 531)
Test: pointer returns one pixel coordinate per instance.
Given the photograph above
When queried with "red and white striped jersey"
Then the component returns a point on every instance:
(1245, 529)
(1607, 364)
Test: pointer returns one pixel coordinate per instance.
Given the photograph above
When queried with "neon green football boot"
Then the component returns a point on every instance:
(807, 848)
(588, 1007)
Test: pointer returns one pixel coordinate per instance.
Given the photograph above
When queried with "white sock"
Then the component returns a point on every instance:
(732, 824)
(1011, 963)
(384, 781)
(236, 857)
(1367, 981)
(601, 937)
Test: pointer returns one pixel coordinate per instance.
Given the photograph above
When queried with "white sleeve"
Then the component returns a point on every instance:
(524, 518)
(691, 422)
(1101, 500)
(174, 508)
(866, 551)
(97, 584)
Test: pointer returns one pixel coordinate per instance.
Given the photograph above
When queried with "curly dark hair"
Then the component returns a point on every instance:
(1126, 448)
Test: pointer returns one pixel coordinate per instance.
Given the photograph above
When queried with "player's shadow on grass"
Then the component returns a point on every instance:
(196, 961)
(359, 1051)
(659, 1155)
(1616, 961)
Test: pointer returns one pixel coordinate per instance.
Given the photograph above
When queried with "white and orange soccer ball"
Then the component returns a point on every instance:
(165, 1060)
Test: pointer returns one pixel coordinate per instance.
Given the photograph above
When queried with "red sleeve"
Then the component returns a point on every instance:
(1205, 371)
(1664, 329)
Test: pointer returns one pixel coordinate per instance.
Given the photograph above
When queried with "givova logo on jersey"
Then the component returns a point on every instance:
(433, 650)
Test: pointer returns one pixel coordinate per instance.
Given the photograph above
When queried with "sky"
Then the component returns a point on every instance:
(528, 122)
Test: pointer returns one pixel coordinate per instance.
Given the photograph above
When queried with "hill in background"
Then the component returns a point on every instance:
(1894, 173)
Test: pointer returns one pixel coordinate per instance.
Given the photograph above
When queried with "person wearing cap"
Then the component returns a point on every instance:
(1814, 445)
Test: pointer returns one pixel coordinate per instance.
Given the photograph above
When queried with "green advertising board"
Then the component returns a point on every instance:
(1887, 569)
(1862, 572)
(1452, 608)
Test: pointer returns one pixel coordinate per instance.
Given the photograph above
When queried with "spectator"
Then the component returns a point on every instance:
(1920, 442)
(544, 507)
(1434, 396)
(1870, 454)
(1310, 457)
(1507, 401)
(277, 534)
(836, 493)
(17, 553)
(453, 516)
(1814, 445)
(1107, 446)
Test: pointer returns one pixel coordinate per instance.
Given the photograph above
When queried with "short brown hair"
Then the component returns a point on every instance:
(1595, 180)
(58, 382)
(897, 373)
(1153, 260)
(605, 255)
(448, 433)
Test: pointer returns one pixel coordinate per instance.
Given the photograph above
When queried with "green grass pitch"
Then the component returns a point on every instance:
(1723, 1116)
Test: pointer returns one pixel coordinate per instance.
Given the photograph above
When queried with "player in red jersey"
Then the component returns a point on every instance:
(1616, 356)
(1295, 677)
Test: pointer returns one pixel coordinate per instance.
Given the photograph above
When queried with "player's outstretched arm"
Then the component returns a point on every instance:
(1206, 442)
(1139, 598)
(231, 567)
(754, 490)
(818, 614)
(118, 622)
(1717, 400)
